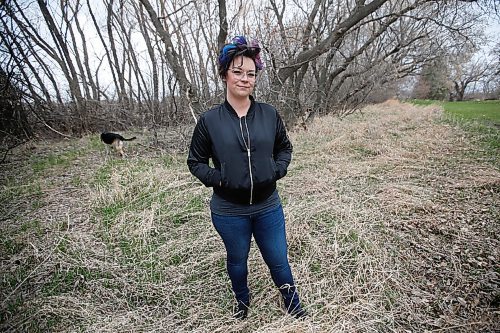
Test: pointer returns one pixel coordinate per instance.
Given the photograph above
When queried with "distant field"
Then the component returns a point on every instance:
(488, 111)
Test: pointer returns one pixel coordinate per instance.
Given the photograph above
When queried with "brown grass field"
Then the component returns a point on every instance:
(392, 219)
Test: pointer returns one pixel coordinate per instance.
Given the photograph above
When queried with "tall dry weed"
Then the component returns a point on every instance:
(392, 225)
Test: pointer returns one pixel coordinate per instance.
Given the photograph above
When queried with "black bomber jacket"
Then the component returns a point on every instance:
(249, 154)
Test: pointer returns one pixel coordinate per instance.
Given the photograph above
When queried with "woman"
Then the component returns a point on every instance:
(250, 150)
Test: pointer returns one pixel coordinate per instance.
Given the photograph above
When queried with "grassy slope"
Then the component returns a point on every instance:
(392, 221)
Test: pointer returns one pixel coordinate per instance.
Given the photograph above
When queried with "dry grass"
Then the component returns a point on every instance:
(392, 221)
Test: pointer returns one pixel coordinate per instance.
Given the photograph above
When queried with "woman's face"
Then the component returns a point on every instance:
(240, 77)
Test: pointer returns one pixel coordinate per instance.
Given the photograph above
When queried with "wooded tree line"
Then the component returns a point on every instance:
(80, 65)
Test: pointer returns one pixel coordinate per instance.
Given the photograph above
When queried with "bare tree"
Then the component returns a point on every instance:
(145, 31)
(170, 53)
(65, 61)
(155, 61)
(222, 36)
(86, 73)
(115, 63)
(18, 55)
(104, 44)
(463, 73)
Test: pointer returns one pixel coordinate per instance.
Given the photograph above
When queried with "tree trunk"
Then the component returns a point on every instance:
(64, 10)
(67, 65)
(221, 38)
(186, 88)
(143, 25)
(106, 49)
(95, 92)
(122, 94)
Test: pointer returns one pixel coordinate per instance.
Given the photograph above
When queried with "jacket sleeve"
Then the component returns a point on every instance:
(282, 148)
(200, 151)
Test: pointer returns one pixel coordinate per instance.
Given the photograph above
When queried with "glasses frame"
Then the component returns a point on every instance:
(239, 74)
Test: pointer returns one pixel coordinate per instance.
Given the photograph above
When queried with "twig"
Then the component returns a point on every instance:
(36, 268)
(10, 148)
(457, 326)
(191, 106)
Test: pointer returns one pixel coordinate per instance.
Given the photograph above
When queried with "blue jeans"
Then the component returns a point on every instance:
(268, 230)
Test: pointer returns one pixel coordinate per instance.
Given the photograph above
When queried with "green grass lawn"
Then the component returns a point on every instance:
(484, 111)
(481, 110)
(480, 118)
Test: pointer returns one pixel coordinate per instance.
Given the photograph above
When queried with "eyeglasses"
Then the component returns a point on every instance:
(239, 74)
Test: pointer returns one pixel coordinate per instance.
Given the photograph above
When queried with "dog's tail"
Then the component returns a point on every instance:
(129, 139)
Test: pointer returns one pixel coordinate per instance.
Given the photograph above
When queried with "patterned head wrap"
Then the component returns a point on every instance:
(239, 46)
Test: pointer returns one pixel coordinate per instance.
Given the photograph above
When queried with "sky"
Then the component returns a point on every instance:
(493, 31)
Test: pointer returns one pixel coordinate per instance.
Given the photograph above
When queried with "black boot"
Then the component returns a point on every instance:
(291, 301)
(241, 310)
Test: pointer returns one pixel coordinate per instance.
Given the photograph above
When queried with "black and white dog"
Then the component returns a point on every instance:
(115, 140)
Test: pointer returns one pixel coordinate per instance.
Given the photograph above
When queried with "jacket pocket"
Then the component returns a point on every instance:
(265, 172)
(235, 176)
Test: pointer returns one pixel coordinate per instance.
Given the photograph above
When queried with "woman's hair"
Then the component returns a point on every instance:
(239, 47)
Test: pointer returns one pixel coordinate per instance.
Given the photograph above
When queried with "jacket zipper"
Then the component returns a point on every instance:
(247, 146)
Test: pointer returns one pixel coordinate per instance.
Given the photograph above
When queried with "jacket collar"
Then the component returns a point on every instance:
(231, 110)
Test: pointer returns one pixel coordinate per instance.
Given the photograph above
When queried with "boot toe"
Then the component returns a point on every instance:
(241, 311)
